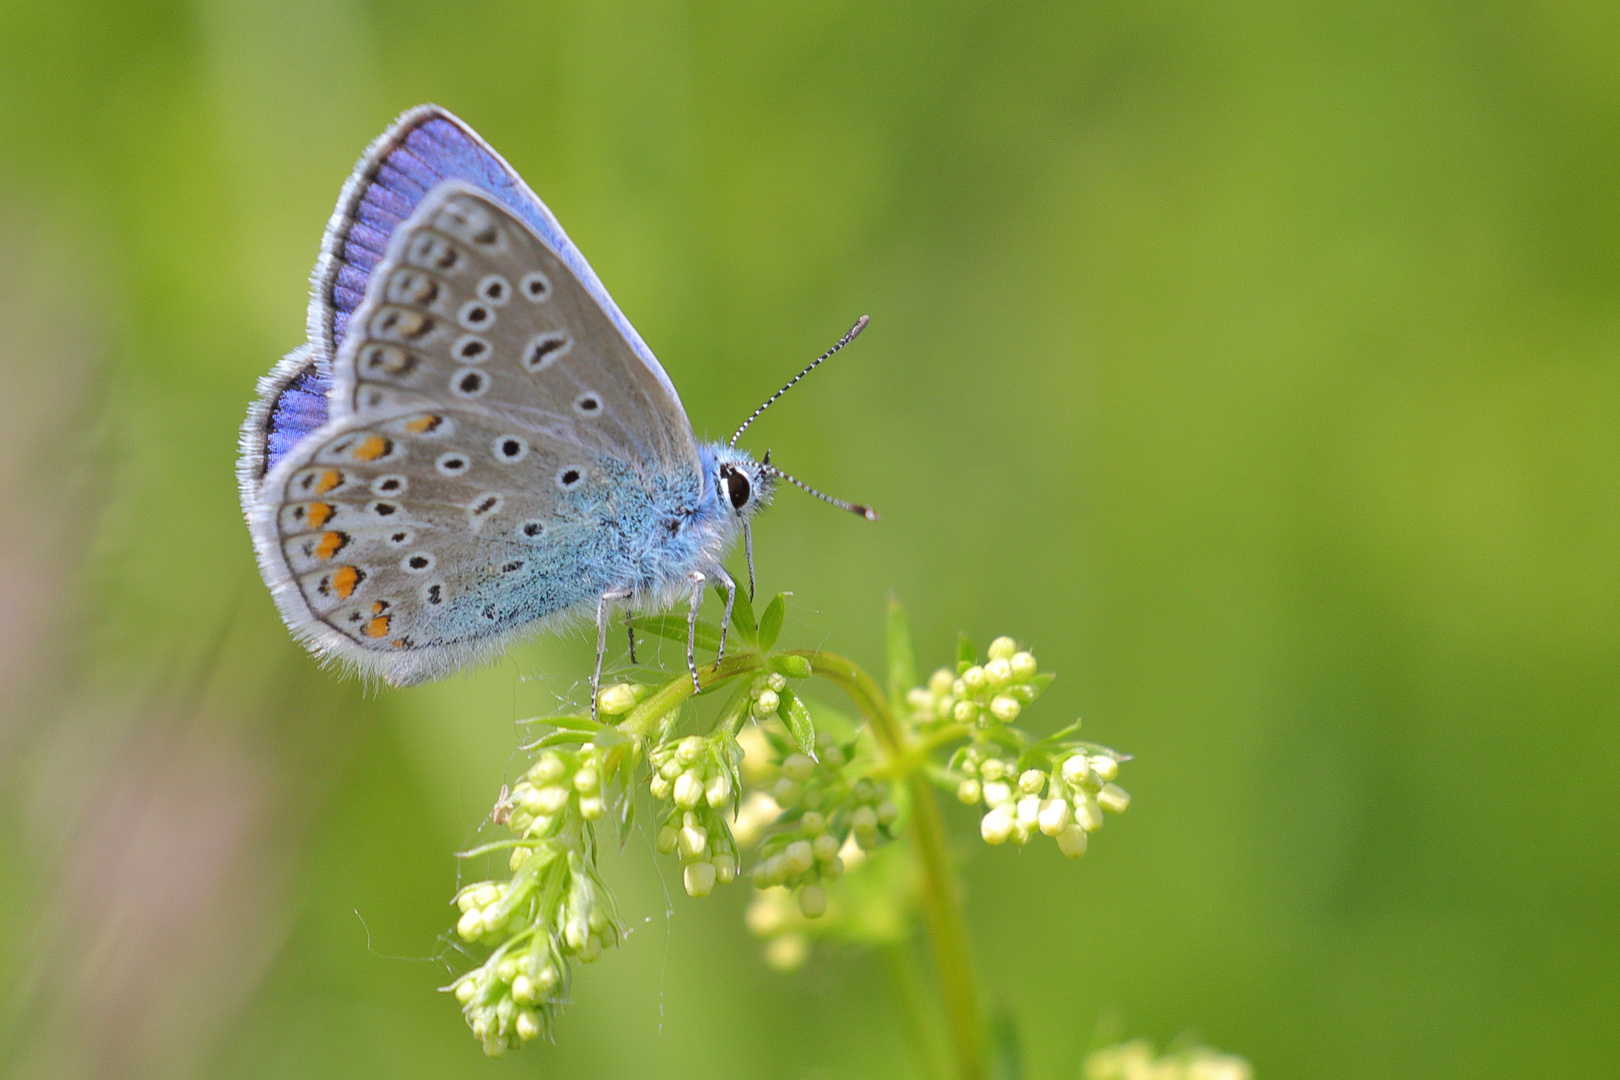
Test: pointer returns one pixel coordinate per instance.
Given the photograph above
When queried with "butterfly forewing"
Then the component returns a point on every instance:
(471, 307)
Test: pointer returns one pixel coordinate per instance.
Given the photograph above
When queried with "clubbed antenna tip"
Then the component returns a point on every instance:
(854, 332)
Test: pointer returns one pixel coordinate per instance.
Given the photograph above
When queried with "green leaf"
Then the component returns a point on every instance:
(794, 667)
(966, 654)
(898, 649)
(743, 623)
(798, 721)
(626, 818)
(673, 628)
(770, 623)
(570, 723)
(1042, 680)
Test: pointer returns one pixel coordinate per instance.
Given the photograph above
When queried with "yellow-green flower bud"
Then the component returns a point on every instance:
(522, 989)
(786, 792)
(918, 698)
(813, 901)
(717, 790)
(968, 792)
(1113, 798)
(798, 767)
(864, 819)
(591, 807)
(616, 700)
(725, 868)
(1002, 648)
(551, 798)
(1030, 781)
(944, 707)
(998, 673)
(587, 780)
(549, 768)
(939, 683)
(1087, 813)
(973, 679)
(824, 847)
(887, 812)
(997, 792)
(996, 826)
(693, 841)
(698, 878)
(1054, 816)
(1076, 769)
(688, 789)
(1023, 666)
(1105, 767)
(766, 704)
(527, 1024)
(689, 749)
(964, 712)
(1071, 840)
(1029, 810)
(776, 681)
(661, 786)
(799, 856)
(812, 823)
(993, 769)
(466, 989)
(668, 837)
(471, 925)
(519, 856)
(1005, 707)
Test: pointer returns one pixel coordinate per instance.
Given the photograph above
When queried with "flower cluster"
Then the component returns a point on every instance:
(1056, 786)
(553, 911)
(1135, 1061)
(697, 777)
(827, 813)
(994, 692)
(1062, 796)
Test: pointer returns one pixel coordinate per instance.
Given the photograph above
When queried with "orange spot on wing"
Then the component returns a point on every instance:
(318, 514)
(345, 581)
(330, 544)
(378, 627)
(372, 448)
(330, 479)
(421, 425)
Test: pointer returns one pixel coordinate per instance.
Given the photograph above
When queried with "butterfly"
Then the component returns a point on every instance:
(474, 444)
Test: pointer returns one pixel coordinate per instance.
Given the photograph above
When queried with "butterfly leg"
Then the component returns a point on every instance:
(601, 640)
(632, 631)
(697, 578)
(725, 619)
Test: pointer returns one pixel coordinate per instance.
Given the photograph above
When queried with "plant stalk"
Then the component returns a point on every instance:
(941, 892)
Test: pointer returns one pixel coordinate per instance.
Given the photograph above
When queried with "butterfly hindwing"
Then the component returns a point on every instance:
(406, 543)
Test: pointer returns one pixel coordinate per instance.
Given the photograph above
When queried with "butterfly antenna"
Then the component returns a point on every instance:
(854, 332)
(855, 508)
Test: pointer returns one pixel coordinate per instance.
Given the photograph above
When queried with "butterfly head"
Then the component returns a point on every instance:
(743, 484)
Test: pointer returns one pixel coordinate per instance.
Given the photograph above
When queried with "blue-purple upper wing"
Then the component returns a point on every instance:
(423, 148)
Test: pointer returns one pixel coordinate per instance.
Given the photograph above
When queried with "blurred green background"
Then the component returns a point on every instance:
(1256, 362)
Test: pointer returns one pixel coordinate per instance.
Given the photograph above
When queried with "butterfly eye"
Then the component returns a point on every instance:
(737, 488)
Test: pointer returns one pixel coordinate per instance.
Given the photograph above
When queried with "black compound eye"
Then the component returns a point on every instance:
(737, 488)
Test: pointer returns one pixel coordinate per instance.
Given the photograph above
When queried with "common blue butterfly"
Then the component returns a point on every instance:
(474, 443)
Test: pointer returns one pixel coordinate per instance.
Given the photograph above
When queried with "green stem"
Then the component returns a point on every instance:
(910, 998)
(941, 892)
